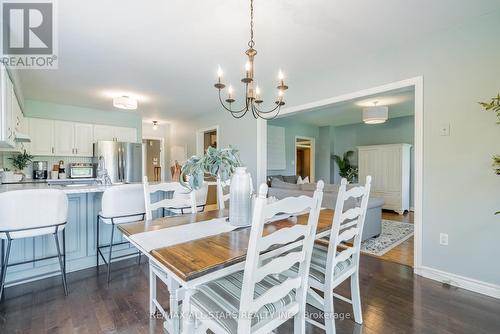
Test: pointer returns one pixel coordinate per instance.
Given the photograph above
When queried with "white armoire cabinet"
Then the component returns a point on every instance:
(389, 166)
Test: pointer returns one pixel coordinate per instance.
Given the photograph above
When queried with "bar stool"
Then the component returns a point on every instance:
(120, 204)
(32, 213)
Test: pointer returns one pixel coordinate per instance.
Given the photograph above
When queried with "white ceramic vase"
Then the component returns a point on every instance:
(240, 198)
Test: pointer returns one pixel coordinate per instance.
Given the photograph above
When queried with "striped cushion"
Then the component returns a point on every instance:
(318, 264)
(219, 300)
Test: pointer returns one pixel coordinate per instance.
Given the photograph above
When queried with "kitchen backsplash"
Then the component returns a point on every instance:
(28, 171)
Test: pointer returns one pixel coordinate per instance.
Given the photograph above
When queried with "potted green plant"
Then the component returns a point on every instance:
(217, 162)
(346, 170)
(494, 105)
(21, 161)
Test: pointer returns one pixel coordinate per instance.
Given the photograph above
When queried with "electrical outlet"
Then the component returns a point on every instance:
(444, 129)
(443, 239)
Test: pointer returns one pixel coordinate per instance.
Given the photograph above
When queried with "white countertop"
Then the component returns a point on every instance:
(80, 189)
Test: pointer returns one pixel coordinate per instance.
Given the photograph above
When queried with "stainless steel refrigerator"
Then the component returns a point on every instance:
(122, 161)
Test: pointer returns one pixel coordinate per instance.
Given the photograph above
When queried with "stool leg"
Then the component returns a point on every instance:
(5, 262)
(61, 264)
(97, 245)
(110, 250)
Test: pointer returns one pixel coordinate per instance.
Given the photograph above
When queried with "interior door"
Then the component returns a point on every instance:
(64, 138)
(84, 137)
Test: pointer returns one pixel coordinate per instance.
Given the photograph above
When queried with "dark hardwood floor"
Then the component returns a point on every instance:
(394, 301)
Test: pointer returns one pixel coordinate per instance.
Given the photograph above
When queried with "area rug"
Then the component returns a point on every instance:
(393, 234)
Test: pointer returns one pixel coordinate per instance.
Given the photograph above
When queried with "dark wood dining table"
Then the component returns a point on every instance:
(184, 266)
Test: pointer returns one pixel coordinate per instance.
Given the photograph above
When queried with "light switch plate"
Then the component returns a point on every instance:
(444, 129)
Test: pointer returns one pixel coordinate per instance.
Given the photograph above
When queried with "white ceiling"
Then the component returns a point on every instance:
(401, 103)
(167, 52)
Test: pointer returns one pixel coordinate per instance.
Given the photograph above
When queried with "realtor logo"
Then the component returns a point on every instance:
(29, 34)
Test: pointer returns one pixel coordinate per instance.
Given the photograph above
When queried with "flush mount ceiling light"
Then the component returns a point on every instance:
(155, 125)
(253, 98)
(125, 102)
(375, 114)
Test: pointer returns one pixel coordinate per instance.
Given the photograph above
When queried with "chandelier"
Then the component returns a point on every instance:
(253, 100)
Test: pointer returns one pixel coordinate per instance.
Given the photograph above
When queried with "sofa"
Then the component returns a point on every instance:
(284, 186)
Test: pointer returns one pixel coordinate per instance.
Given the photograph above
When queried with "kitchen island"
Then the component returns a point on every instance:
(84, 206)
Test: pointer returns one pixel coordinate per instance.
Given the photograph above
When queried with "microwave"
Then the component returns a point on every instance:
(81, 171)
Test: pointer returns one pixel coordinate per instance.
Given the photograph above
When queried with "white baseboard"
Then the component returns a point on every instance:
(467, 283)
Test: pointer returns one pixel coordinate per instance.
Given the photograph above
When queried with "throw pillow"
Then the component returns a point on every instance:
(305, 180)
(290, 178)
(276, 183)
(299, 180)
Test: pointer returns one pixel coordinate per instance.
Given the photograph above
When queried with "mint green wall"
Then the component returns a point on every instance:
(394, 131)
(65, 112)
(460, 66)
(293, 129)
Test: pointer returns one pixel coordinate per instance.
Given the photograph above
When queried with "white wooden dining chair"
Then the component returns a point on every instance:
(260, 299)
(329, 268)
(182, 201)
(222, 192)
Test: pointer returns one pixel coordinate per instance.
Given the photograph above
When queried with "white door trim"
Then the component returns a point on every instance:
(313, 156)
(163, 163)
(199, 138)
(418, 84)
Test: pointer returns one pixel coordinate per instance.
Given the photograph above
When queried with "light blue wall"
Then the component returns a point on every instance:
(65, 112)
(460, 66)
(394, 131)
(293, 129)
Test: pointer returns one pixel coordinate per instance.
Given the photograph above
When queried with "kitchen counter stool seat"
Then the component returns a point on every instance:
(120, 204)
(32, 213)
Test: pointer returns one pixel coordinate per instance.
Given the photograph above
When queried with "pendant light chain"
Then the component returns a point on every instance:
(251, 43)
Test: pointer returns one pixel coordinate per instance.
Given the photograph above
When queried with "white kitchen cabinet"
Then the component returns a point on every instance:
(116, 133)
(84, 138)
(64, 138)
(103, 132)
(389, 167)
(7, 117)
(41, 132)
(126, 134)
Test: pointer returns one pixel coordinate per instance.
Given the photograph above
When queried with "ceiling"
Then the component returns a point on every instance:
(401, 103)
(167, 52)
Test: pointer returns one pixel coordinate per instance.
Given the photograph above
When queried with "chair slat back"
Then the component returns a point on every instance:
(300, 237)
(181, 198)
(347, 225)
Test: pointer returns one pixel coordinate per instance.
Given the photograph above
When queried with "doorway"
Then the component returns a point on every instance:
(153, 159)
(304, 157)
(417, 84)
(205, 138)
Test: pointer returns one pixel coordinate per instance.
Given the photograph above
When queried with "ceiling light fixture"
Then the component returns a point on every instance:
(155, 125)
(125, 102)
(375, 114)
(253, 98)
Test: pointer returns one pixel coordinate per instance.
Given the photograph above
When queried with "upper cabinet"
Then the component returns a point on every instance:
(84, 140)
(7, 117)
(41, 132)
(115, 133)
(72, 139)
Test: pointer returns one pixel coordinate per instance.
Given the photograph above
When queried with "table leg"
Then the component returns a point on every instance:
(172, 323)
(152, 292)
